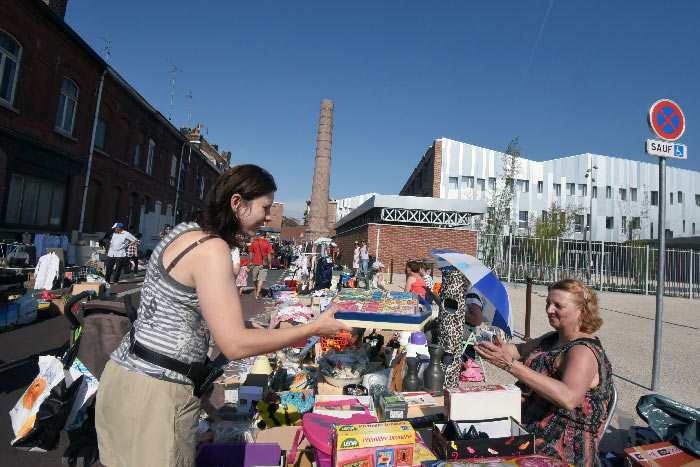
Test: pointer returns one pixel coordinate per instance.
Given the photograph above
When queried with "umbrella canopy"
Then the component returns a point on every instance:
(497, 305)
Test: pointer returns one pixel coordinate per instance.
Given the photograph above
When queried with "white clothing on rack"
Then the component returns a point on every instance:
(47, 269)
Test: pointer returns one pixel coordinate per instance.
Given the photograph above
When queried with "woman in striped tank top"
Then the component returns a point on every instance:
(147, 413)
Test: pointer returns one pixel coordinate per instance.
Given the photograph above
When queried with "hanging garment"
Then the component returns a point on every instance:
(46, 271)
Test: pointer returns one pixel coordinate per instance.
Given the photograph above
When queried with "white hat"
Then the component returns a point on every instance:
(377, 265)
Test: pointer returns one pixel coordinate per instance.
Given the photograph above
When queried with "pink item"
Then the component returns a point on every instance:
(471, 371)
(319, 430)
(242, 278)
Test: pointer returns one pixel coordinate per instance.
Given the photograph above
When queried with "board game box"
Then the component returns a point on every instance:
(378, 305)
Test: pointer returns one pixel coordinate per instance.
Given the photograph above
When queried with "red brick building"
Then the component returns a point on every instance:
(399, 228)
(79, 147)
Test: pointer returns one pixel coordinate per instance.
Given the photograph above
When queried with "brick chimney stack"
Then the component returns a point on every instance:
(318, 212)
(58, 7)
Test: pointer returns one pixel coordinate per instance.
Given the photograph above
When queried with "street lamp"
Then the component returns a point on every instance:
(590, 175)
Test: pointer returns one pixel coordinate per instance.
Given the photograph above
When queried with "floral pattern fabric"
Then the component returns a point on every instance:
(569, 435)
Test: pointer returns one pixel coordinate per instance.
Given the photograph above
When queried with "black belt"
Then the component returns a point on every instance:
(202, 375)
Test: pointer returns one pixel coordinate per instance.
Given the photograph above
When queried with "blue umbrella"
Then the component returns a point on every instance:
(497, 304)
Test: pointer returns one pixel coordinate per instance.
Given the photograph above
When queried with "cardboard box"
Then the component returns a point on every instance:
(284, 436)
(374, 445)
(483, 402)
(97, 287)
(506, 438)
(392, 406)
(659, 455)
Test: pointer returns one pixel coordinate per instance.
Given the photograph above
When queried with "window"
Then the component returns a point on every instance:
(468, 181)
(510, 185)
(671, 197)
(684, 226)
(582, 189)
(680, 197)
(480, 184)
(452, 183)
(522, 219)
(102, 130)
(149, 158)
(578, 223)
(540, 186)
(492, 184)
(654, 198)
(200, 187)
(624, 224)
(570, 189)
(636, 223)
(523, 186)
(544, 215)
(633, 194)
(557, 189)
(594, 192)
(623, 194)
(608, 192)
(35, 202)
(173, 170)
(697, 200)
(609, 222)
(10, 52)
(693, 228)
(137, 155)
(67, 102)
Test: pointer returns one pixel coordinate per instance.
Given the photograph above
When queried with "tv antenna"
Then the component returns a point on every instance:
(108, 47)
(189, 107)
(174, 71)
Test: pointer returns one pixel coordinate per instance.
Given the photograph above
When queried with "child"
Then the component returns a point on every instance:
(242, 278)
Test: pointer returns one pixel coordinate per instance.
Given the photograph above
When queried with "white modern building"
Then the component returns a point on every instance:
(346, 205)
(622, 194)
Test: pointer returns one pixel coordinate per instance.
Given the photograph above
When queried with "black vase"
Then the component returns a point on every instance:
(434, 376)
(411, 382)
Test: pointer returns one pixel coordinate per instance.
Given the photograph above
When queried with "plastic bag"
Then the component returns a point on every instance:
(671, 421)
(42, 411)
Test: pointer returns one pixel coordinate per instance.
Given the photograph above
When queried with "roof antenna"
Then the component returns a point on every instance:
(174, 71)
(108, 47)
(189, 107)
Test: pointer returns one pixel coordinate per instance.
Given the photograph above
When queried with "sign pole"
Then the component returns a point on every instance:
(661, 268)
(666, 120)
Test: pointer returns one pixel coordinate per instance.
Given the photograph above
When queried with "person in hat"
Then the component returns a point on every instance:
(147, 412)
(378, 277)
(116, 255)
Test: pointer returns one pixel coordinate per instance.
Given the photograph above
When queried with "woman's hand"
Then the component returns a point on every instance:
(327, 326)
(495, 353)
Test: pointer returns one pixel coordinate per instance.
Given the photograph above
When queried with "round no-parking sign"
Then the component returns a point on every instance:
(666, 120)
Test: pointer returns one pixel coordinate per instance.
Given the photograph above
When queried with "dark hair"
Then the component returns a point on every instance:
(139, 235)
(586, 298)
(247, 180)
(413, 266)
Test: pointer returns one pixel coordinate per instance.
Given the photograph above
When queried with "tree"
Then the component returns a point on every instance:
(557, 221)
(499, 202)
(636, 216)
(500, 198)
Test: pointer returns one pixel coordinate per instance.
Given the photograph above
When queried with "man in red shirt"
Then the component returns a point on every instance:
(261, 250)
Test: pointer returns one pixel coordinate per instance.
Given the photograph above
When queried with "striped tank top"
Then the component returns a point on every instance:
(169, 319)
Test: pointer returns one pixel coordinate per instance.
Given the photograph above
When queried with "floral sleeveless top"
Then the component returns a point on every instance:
(570, 435)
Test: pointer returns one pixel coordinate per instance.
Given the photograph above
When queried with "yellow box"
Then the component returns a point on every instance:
(388, 444)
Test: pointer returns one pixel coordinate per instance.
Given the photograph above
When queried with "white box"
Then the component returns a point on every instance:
(483, 402)
(339, 411)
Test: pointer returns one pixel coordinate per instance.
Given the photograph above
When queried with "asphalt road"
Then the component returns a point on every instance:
(21, 347)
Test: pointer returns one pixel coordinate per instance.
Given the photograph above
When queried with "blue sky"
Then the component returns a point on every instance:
(566, 76)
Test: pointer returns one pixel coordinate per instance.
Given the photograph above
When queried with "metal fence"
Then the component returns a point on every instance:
(603, 266)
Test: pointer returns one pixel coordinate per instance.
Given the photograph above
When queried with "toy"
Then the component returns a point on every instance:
(374, 445)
